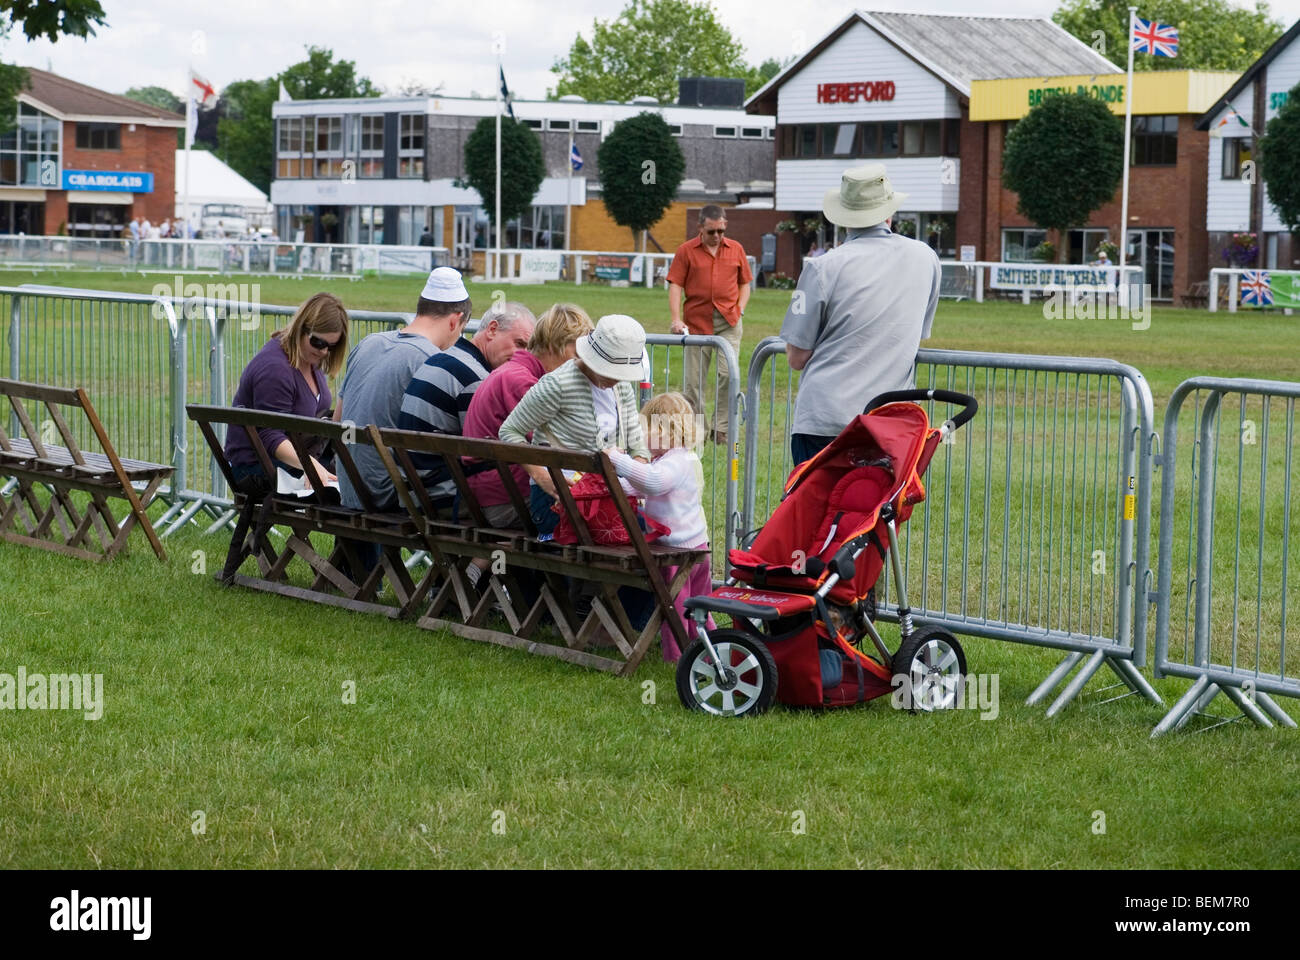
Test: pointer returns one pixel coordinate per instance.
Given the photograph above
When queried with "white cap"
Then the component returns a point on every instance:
(445, 286)
(615, 348)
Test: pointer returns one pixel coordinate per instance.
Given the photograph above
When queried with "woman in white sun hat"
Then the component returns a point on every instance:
(587, 403)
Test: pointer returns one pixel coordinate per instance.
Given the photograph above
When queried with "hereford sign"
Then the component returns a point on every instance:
(853, 92)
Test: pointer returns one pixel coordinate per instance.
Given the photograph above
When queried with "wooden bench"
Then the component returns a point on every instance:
(444, 597)
(638, 564)
(1198, 294)
(338, 576)
(34, 461)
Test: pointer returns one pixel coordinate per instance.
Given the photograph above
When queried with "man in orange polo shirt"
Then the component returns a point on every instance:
(714, 273)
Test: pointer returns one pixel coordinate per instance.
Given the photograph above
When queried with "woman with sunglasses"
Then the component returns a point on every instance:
(289, 375)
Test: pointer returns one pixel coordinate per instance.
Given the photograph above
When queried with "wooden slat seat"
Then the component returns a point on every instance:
(64, 468)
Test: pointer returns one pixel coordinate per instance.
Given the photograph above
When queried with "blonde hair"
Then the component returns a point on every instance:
(558, 327)
(668, 420)
(320, 313)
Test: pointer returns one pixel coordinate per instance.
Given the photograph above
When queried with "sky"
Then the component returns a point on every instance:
(152, 42)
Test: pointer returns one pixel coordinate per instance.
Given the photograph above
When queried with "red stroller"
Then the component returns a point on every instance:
(800, 598)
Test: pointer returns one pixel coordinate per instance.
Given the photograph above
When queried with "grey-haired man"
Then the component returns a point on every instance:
(859, 312)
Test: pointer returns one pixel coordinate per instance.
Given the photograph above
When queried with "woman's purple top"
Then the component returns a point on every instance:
(270, 383)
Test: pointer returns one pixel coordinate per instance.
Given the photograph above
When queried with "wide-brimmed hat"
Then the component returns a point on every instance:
(445, 286)
(614, 349)
(865, 197)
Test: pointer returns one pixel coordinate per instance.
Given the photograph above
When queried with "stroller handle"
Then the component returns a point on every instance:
(968, 403)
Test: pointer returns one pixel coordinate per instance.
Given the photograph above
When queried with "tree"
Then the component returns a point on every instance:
(522, 167)
(159, 97)
(1279, 160)
(1064, 160)
(765, 71)
(245, 130)
(641, 167)
(411, 87)
(1212, 34)
(645, 50)
(51, 19)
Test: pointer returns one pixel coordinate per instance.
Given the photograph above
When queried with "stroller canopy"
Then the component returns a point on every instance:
(837, 495)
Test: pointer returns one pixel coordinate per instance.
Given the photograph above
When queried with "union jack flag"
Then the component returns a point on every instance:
(1155, 38)
(1256, 290)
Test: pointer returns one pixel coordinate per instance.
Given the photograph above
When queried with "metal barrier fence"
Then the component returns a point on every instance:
(142, 358)
(1223, 621)
(251, 257)
(1036, 524)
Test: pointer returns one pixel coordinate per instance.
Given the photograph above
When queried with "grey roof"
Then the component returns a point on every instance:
(990, 48)
(961, 49)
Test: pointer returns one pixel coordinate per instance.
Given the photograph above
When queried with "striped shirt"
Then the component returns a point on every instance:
(561, 410)
(436, 401)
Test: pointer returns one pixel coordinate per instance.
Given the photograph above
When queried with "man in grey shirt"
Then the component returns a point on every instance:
(381, 366)
(859, 312)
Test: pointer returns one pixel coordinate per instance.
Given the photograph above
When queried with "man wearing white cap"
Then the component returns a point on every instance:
(859, 312)
(381, 366)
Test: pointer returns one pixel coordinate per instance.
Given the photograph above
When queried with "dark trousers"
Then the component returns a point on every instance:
(805, 446)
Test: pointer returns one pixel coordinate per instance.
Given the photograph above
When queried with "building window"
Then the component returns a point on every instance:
(372, 134)
(675, 129)
(771, 133)
(1236, 154)
(751, 133)
(329, 146)
(370, 224)
(921, 138)
(541, 228)
(558, 125)
(589, 126)
(1018, 245)
(99, 136)
(1155, 141)
(839, 139)
(952, 138)
(29, 154)
(533, 124)
(1084, 243)
(410, 145)
(410, 225)
(939, 232)
(724, 131)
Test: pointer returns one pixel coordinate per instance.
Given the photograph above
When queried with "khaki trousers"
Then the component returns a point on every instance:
(695, 371)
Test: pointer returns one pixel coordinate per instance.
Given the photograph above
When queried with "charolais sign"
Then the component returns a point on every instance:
(120, 181)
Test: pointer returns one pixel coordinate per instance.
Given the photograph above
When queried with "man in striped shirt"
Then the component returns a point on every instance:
(438, 396)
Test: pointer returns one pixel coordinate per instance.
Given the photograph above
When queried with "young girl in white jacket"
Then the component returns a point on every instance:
(672, 484)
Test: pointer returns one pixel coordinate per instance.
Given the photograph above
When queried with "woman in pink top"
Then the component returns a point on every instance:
(552, 343)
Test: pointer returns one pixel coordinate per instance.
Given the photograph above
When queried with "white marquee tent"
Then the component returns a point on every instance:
(214, 182)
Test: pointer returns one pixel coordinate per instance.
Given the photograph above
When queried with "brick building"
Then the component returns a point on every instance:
(84, 162)
(1166, 233)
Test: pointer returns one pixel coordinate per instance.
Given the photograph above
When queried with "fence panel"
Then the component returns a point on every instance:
(1036, 523)
(122, 348)
(1229, 546)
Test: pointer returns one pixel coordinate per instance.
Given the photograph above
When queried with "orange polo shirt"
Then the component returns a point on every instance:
(710, 282)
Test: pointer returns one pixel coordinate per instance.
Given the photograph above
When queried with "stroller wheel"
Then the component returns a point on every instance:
(745, 684)
(934, 665)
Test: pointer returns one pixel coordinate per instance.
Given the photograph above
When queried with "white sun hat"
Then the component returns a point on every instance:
(445, 286)
(865, 197)
(615, 348)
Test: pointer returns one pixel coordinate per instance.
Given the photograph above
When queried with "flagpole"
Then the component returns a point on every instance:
(1128, 135)
(189, 142)
(568, 197)
(496, 265)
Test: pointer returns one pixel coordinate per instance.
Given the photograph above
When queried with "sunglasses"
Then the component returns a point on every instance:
(318, 343)
(718, 232)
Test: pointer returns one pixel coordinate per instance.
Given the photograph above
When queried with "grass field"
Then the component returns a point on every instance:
(232, 703)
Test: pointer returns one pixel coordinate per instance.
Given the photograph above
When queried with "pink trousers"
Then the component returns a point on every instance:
(698, 584)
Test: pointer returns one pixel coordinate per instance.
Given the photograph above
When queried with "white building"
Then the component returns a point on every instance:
(1237, 201)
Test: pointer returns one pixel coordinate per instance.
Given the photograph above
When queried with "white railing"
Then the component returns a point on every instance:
(216, 256)
(1233, 277)
(583, 266)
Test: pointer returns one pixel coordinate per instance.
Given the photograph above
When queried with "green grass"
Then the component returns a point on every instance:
(230, 702)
